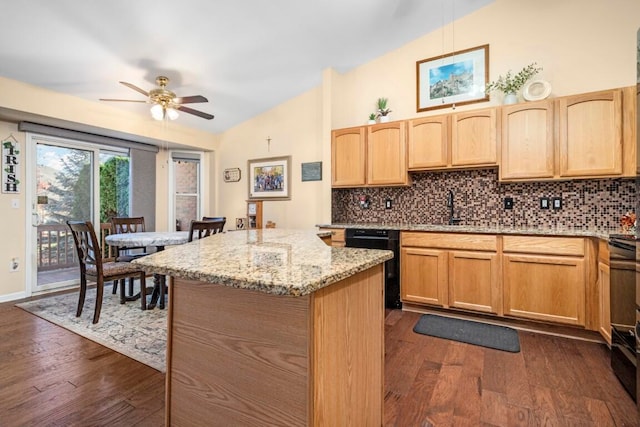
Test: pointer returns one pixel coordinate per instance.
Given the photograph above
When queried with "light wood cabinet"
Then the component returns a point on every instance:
(348, 157)
(386, 154)
(604, 291)
(450, 270)
(474, 138)
(467, 139)
(527, 148)
(254, 214)
(590, 137)
(473, 281)
(580, 136)
(424, 276)
(544, 278)
(428, 142)
(369, 156)
(337, 236)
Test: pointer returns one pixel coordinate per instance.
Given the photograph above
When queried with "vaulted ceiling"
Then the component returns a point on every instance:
(245, 56)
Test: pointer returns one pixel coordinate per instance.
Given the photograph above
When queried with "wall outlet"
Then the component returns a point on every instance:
(388, 204)
(14, 264)
(556, 202)
(544, 203)
(508, 202)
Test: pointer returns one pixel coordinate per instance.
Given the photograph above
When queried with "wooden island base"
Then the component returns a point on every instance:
(242, 357)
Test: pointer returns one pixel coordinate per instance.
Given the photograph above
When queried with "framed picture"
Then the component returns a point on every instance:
(456, 78)
(231, 175)
(312, 171)
(269, 178)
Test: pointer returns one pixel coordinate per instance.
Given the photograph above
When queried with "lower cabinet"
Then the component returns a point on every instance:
(337, 236)
(544, 278)
(531, 277)
(450, 270)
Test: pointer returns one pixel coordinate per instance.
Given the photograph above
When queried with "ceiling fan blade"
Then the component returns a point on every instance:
(190, 99)
(136, 88)
(123, 100)
(194, 112)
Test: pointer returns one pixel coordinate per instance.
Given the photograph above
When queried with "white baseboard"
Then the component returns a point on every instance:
(13, 297)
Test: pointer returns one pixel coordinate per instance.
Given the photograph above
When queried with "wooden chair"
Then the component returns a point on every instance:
(120, 225)
(92, 267)
(216, 218)
(200, 229)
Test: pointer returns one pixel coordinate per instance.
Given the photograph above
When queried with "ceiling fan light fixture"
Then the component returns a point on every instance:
(172, 113)
(159, 112)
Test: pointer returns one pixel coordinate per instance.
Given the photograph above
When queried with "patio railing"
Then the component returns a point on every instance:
(56, 248)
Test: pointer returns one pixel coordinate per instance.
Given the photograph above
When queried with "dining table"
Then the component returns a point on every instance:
(157, 239)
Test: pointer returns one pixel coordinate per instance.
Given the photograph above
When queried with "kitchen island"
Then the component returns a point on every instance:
(273, 327)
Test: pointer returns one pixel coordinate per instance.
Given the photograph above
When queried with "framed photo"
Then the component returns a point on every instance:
(270, 178)
(311, 171)
(231, 175)
(456, 78)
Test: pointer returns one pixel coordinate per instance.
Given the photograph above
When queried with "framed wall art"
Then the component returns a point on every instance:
(311, 171)
(231, 175)
(457, 78)
(270, 178)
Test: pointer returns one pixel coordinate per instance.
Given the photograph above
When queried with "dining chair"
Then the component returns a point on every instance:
(200, 229)
(120, 225)
(92, 267)
(216, 218)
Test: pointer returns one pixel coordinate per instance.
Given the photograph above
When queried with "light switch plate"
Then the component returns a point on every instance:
(544, 203)
(556, 203)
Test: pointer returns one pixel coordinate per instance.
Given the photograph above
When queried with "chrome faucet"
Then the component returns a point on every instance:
(452, 219)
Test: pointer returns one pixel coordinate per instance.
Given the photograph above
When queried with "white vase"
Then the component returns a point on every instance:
(371, 122)
(384, 119)
(510, 98)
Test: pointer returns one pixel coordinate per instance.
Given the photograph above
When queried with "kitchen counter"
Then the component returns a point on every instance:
(602, 233)
(273, 327)
(275, 261)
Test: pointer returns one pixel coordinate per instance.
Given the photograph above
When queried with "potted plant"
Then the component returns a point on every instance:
(383, 110)
(372, 118)
(510, 84)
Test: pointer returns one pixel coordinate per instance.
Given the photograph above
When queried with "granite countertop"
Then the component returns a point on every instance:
(602, 233)
(275, 261)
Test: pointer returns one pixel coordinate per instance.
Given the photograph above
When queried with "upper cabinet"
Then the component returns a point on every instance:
(387, 154)
(348, 157)
(474, 138)
(581, 136)
(369, 156)
(467, 139)
(527, 141)
(590, 136)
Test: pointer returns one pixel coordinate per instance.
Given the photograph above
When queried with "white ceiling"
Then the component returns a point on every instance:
(245, 56)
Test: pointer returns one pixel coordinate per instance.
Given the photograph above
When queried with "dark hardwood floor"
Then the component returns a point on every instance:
(52, 377)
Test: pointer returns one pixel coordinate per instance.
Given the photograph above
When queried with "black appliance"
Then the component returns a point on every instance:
(381, 239)
(624, 345)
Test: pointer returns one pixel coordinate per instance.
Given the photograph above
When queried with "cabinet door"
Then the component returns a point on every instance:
(423, 276)
(605, 302)
(386, 154)
(348, 157)
(591, 134)
(473, 138)
(527, 145)
(550, 288)
(473, 281)
(428, 143)
(337, 236)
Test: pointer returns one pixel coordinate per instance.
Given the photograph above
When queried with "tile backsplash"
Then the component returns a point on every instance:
(479, 200)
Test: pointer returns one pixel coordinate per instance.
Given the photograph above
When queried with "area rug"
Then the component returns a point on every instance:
(125, 328)
(477, 333)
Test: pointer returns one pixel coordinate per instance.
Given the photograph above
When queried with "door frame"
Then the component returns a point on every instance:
(31, 262)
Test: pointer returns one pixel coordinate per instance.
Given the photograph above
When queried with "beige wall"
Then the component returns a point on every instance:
(583, 45)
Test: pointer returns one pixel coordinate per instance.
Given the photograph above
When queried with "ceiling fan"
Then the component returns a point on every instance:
(165, 102)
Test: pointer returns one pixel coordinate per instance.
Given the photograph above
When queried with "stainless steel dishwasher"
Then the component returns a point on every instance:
(381, 239)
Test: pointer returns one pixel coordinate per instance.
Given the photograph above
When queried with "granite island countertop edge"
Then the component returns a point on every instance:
(274, 261)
